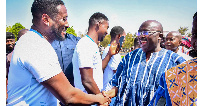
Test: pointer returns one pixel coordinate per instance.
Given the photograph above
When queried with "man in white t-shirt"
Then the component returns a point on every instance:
(173, 41)
(35, 75)
(116, 33)
(87, 62)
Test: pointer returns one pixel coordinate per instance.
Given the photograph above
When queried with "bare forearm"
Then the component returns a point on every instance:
(106, 60)
(91, 87)
(60, 87)
(79, 97)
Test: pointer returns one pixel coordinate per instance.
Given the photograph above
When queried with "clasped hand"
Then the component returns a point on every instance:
(106, 100)
(107, 97)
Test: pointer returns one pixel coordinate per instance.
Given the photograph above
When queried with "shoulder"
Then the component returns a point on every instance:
(185, 56)
(72, 37)
(172, 54)
(32, 43)
(86, 43)
(134, 53)
(84, 40)
(184, 65)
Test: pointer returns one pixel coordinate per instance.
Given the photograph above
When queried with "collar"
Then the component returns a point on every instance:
(36, 32)
(90, 38)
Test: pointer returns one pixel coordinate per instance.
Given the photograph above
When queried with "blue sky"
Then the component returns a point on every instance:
(127, 13)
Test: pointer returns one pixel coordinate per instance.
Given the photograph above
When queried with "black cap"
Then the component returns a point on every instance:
(10, 35)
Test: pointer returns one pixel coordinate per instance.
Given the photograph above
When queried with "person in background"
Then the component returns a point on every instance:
(64, 50)
(173, 41)
(9, 56)
(138, 74)
(162, 43)
(185, 45)
(35, 75)
(10, 42)
(193, 52)
(136, 43)
(178, 85)
(116, 33)
(87, 63)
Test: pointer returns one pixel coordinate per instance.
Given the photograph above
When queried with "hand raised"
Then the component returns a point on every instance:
(114, 48)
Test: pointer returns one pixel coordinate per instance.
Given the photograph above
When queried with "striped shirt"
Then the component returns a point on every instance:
(137, 80)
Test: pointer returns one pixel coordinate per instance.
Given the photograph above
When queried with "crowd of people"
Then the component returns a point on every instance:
(48, 67)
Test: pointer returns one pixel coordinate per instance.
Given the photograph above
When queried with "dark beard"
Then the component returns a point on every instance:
(8, 48)
(58, 35)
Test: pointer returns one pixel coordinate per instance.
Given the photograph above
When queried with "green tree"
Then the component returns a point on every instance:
(71, 30)
(8, 28)
(183, 30)
(15, 29)
(106, 41)
(128, 43)
(189, 34)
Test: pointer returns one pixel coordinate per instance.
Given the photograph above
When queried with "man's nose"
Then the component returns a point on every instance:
(142, 36)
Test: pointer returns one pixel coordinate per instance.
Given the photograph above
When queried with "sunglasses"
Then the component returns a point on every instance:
(147, 33)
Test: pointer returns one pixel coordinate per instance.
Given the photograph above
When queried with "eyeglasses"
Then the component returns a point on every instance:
(147, 33)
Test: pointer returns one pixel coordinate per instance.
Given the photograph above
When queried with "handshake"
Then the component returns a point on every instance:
(104, 98)
(107, 95)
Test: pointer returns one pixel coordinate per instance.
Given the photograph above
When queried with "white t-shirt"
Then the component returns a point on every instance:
(112, 65)
(86, 54)
(185, 56)
(34, 60)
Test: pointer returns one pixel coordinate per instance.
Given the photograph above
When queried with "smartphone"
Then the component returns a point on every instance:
(121, 41)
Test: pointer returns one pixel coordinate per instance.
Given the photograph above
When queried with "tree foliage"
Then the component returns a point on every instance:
(128, 43)
(8, 28)
(71, 30)
(106, 41)
(183, 31)
(15, 29)
(189, 34)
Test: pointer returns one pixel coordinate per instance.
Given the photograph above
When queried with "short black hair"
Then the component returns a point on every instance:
(48, 7)
(10, 35)
(96, 17)
(116, 30)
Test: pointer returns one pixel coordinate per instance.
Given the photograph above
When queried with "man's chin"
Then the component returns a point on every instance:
(144, 49)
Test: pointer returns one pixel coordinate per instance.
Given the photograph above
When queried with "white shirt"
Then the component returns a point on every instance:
(108, 71)
(86, 54)
(34, 60)
(185, 56)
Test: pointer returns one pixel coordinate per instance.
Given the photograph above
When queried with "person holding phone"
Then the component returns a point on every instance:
(118, 35)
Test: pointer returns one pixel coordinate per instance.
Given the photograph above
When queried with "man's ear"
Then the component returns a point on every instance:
(119, 36)
(45, 19)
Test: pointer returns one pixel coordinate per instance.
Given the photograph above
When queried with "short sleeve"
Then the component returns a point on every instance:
(114, 62)
(41, 60)
(114, 80)
(86, 55)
